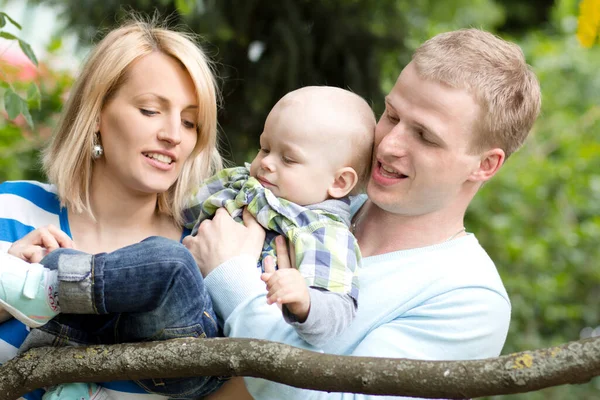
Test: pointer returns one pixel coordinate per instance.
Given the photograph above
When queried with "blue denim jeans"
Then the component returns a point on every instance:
(152, 290)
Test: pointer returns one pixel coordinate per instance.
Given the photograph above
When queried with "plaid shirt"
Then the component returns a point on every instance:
(327, 254)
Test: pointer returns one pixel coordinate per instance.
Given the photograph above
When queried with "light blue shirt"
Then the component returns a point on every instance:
(441, 302)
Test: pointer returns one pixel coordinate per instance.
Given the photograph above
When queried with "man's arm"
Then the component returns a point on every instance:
(233, 389)
(467, 323)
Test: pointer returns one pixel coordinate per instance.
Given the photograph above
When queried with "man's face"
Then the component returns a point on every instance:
(421, 163)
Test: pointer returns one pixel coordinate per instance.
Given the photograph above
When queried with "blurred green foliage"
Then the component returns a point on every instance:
(14, 103)
(21, 139)
(539, 218)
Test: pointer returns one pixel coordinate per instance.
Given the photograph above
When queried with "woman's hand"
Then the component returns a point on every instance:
(222, 238)
(36, 244)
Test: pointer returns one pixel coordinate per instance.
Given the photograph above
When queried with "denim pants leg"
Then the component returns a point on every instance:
(152, 290)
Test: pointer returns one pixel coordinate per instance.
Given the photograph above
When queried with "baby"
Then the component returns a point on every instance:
(315, 150)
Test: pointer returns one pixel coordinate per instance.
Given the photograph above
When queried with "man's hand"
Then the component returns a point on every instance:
(36, 244)
(286, 285)
(220, 239)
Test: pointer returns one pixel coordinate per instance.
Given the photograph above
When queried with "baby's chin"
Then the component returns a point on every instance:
(303, 200)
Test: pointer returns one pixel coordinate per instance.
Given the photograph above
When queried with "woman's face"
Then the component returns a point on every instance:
(149, 127)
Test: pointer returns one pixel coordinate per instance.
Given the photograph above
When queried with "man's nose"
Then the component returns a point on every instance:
(394, 143)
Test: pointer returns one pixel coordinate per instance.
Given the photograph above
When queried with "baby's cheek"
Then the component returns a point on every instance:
(253, 167)
(295, 191)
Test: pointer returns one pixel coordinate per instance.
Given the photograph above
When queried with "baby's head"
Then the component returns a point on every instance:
(316, 145)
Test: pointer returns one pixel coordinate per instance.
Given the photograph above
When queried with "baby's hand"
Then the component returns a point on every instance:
(287, 286)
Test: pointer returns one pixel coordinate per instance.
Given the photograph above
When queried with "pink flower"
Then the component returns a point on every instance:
(11, 54)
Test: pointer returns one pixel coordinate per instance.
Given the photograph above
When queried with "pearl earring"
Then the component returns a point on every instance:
(97, 149)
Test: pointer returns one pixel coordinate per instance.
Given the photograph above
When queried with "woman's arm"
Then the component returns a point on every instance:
(32, 248)
(4, 315)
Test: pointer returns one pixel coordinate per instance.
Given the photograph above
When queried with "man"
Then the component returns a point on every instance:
(465, 103)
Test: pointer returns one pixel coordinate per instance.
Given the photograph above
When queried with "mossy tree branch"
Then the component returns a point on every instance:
(574, 362)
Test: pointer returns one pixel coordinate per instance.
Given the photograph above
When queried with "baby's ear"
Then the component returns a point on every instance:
(344, 181)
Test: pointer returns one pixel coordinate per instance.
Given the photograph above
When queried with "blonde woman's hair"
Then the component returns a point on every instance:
(495, 72)
(67, 160)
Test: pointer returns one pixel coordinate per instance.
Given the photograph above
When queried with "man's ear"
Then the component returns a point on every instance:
(489, 163)
(344, 181)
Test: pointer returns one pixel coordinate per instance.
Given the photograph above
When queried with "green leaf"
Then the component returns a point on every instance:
(12, 21)
(2, 20)
(28, 51)
(8, 36)
(184, 6)
(34, 96)
(12, 103)
(55, 44)
(26, 114)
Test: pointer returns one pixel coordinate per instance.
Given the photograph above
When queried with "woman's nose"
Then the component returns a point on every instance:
(171, 132)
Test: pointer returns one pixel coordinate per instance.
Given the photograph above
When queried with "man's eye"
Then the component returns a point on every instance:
(392, 118)
(423, 138)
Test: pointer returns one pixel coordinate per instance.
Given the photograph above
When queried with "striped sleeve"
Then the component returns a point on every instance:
(24, 206)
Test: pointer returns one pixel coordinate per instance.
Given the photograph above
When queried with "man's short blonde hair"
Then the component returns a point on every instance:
(68, 161)
(495, 72)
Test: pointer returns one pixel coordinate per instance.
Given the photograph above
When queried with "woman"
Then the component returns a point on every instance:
(138, 132)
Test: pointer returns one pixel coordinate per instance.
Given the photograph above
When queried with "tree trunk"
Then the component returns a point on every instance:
(574, 362)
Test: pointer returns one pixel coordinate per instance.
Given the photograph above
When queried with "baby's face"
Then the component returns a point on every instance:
(295, 161)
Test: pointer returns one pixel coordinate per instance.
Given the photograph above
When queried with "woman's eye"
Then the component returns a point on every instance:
(189, 124)
(148, 113)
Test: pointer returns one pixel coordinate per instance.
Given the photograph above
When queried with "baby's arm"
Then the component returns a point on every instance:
(330, 313)
(316, 314)
(287, 288)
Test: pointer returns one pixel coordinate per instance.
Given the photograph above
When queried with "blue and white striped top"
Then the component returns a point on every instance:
(24, 207)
